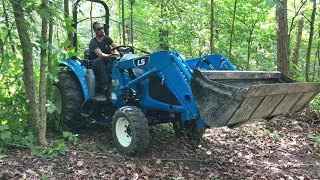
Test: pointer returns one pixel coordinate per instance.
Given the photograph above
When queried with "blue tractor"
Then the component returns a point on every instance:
(162, 87)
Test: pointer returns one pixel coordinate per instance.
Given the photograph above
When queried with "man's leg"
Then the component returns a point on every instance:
(100, 70)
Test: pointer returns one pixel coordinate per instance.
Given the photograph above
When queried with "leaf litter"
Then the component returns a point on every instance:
(281, 149)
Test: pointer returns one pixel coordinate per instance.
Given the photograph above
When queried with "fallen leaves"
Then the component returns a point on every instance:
(255, 151)
(80, 163)
(158, 161)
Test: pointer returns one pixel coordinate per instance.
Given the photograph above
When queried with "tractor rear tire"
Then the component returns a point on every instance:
(130, 130)
(71, 97)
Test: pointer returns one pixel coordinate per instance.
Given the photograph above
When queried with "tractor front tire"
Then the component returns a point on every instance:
(71, 97)
(130, 130)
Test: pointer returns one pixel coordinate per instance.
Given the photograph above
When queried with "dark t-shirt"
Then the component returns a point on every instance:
(103, 45)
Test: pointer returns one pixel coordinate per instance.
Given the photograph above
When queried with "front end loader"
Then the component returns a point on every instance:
(192, 94)
(162, 87)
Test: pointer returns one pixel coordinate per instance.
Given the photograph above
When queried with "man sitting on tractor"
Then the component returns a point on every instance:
(99, 52)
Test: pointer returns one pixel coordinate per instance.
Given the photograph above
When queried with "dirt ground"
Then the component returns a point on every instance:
(276, 149)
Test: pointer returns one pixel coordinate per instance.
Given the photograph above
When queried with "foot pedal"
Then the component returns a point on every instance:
(85, 109)
(100, 97)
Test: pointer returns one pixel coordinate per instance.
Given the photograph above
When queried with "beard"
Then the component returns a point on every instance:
(100, 34)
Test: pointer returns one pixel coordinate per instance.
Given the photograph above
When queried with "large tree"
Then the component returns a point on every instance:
(43, 74)
(232, 27)
(37, 118)
(310, 41)
(212, 27)
(283, 62)
(28, 67)
(296, 51)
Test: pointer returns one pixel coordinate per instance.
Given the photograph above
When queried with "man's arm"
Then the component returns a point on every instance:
(100, 54)
(114, 45)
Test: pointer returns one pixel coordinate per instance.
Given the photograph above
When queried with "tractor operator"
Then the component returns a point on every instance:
(99, 53)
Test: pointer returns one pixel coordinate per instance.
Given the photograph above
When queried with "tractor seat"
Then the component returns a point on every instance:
(86, 63)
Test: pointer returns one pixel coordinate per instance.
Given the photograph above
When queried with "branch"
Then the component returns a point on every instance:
(5, 40)
(3, 43)
(307, 19)
(53, 149)
(2, 53)
(242, 22)
(89, 18)
(296, 13)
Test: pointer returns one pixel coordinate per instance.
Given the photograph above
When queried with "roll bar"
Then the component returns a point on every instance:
(75, 19)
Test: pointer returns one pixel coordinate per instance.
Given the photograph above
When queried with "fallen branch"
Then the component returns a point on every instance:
(40, 148)
(197, 160)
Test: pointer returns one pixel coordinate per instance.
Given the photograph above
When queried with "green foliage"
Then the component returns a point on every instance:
(13, 109)
(44, 176)
(59, 148)
(262, 123)
(316, 139)
(276, 134)
(315, 103)
(5, 135)
(51, 107)
(275, 121)
(3, 127)
(49, 168)
(162, 132)
(73, 138)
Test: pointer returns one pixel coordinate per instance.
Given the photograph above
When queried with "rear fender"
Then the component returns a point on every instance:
(79, 71)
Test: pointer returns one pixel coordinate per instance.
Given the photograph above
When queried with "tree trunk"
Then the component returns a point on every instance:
(232, 28)
(66, 12)
(163, 33)
(191, 48)
(91, 22)
(8, 27)
(296, 14)
(318, 50)
(310, 41)
(131, 21)
(50, 70)
(249, 49)
(119, 24)
(43, 76)
(163, 39)
(296, 54)
(314, 69)
(283, 63)
(123, 24)
(212, 28)
(2, 53)
(28, 75)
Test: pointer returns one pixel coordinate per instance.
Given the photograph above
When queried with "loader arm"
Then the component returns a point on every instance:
(166, 67)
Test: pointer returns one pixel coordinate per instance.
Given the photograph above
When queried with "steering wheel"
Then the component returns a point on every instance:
(126, 51)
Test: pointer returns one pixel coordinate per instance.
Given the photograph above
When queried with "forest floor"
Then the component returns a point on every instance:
(277, 149)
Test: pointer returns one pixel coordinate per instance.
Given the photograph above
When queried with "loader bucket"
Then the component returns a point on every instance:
(228, 98)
